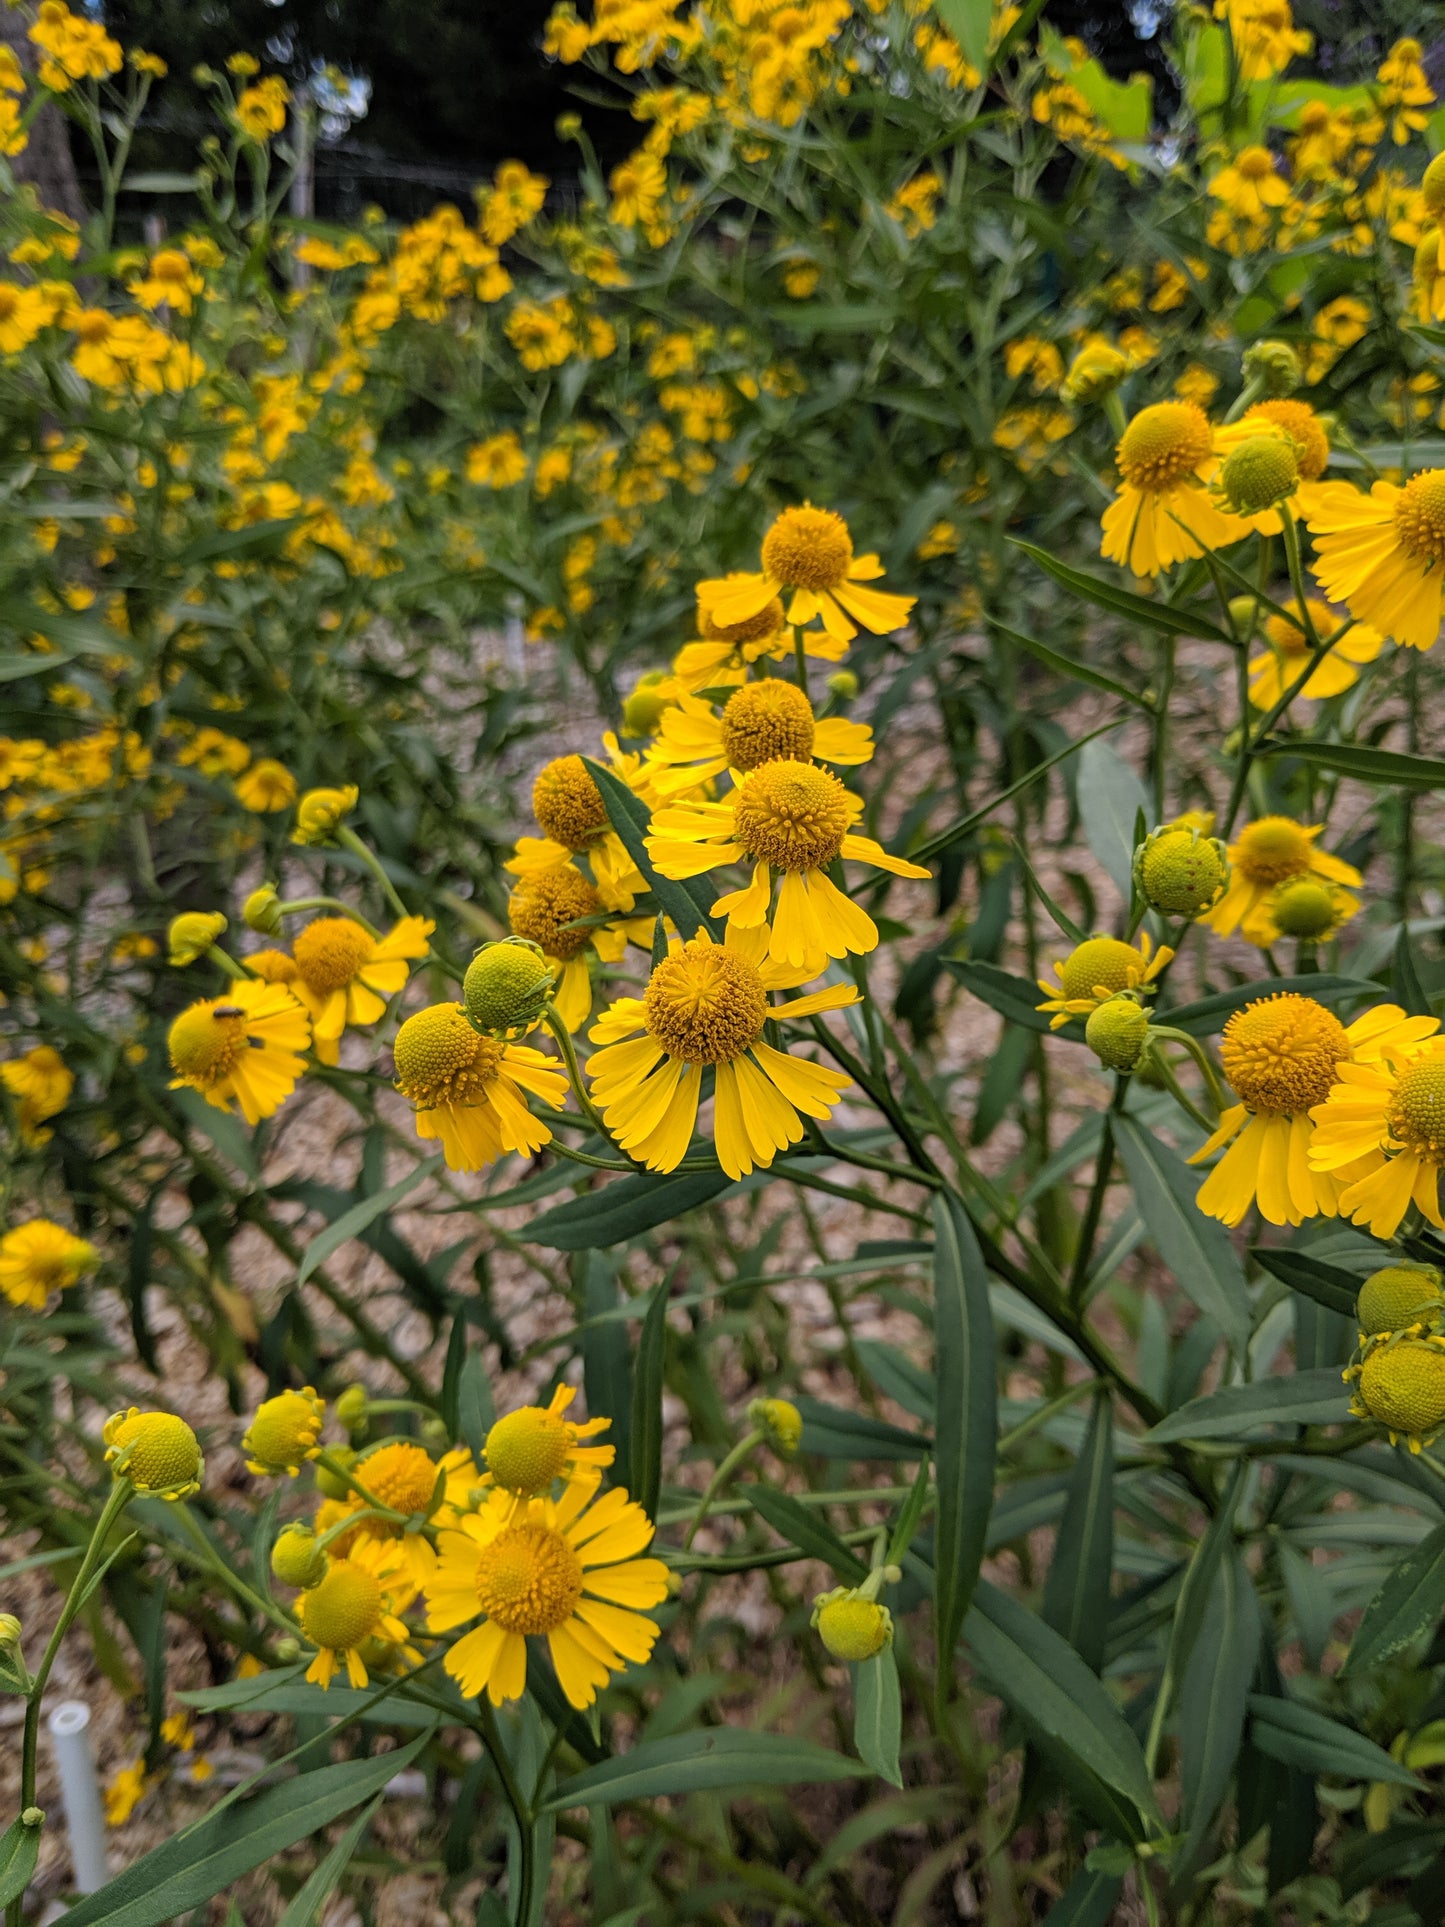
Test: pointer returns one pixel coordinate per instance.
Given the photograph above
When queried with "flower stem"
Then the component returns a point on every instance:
(718, 1480)
(349, 840)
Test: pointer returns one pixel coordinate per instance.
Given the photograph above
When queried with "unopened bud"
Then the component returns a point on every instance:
(320, 813)
(1399, 1296)
(10, 1631)
(33, 1817)
(852, 1625)
(843, 684)
(1259, 473)
(1273, 364)
(351, 1408)
(192, 934)
(327, 1482)
(1115, 1032)
(643, 709)
(1432, 186)
(507, 986)
(1180, 873)
(297, 1560)
(780, 1422)
(1094, 373)
(262, 911)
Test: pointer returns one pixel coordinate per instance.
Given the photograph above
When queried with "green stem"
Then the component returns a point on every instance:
(563, 1039)
(521, 1812)
(718, 1480)
(294, 905)
(349, 840)
(348, 1479)
(267, 1608)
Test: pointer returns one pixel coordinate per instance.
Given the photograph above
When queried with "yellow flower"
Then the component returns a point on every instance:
(1163, 513)
(726, 651)
(573, 818)
(1096, 970)
(810, 551)
(285, 1432)
(761, 722)
(531, 1448)
(124, 1791)
(780, 1422)
(261, 110)
(40, 1257)
(357, 1604)
(498, 462)
(156, 1451)
(1288, 650)
(1249, 186)
(1264, 854)
(1281, 1055)
(403, 1476)
(787, 816)
(1381, 554)
(560, 1570)
(1382, 1129)
(706, 1005)
(244, 1046)
(320, 812)
(515, 196)
(191, 935)
(468, 1090)
(550, 907)
(1401, 1385)
(41, 1084)
(343, 976)
(1404, 90)
(266, 787)
(1264, 34)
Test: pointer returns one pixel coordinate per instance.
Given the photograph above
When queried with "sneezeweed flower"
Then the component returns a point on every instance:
(1381, 554)
(573, 819)
(1258, 471)
(284, 1434)
(1097, 970)
(562, 1570)
(261, 911)
(1310, 909)
(357, 1605)
(556, 909)
(787, 816)
(1273, 366)
(320, 814)
(1404, 1298)
(810, 551)
(1179, 872)
(40, 1083)
(1094, 373)
(345, 976)
(467, 1090)
(191, 935)
(41, 1257)
(297, 1559)
(124, 1791)
(243, 1048)
(705, 1007)
(1163, 512)
(724, 652)
(1282, 1055)
(404, 1476)
(761, 722)
(1288, 649)
(781, 1424)
(1382, 1128)
(266, 787)
(508, 985)
(1401, 1386)
(529, 1449)
(156, 1451)
(1266, 853)
(852, 1625)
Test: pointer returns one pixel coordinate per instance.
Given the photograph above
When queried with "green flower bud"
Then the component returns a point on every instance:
(843, 684)
(351, 1408)
(297, 1560)
(1116, 1031)
(327, 1483)
(1308, 908)
(850, 1624)
(1399, 1296)
(1243, 613)
(780, 1422)
(33, 1817)
(10, 1631)
(1259, 473)
(262, 911)
(507, 987)
(1181, 873)
(643, 709)
(1275, 365)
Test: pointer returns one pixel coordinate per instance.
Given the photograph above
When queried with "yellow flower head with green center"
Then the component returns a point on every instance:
(1304, 428)
(320, 814)
(1258, 474)
(297, 1559)
(468, 1090)
(705, 1006)
(781, 1424)
(1382, 1126)
(810, 551)
(529, 1449)
(508, 986)
(1117, 1030)
(1311, 909)
(1180, 873)
(565, 1571)
(243, 1047)
(41, 1257)
(192, 934)
(356, 1606)
(1380, 554)
(850, 1624)
(1400, 1297)
(1402, 1387)
(285, 1432)
(1268, 852)
(156, 1451)
(1096, 970)
(1162, 513)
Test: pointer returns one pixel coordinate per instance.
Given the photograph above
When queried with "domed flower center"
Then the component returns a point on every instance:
(285, 1428)
(808, 548)
(1259, 473)
(792, 815)
(1182, 873)
(1288, 637)
(208, 1040)
(529, 1579)
(440, 1059)
(765, 623)
(1304, 907)
(164, 1450)
(1101, 961)
(567, 803)
(766, 720)
(1302, 425)
(1397, 1296)
(527, 1449)
(1403, 1386)
(401, 1476)
(545, 903)
(705, 1004)
(343, 1610)
(1254, 163)
(1417, 1112)
(330, 951)
(1280, 1054)
(1420, 517)
(1163, 445)
(1271, 850)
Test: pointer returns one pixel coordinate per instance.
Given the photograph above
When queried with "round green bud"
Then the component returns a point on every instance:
(1275, 365)
(843, 684)
(1116, 1031)
(33, 1817)
(1432, 186)
(327, 1483)
(780, 1422)
(850, 1624)
(351, 1408)
(1243, 613)
(1180, 873)
(1399, 1296)
(1307, 908)
(507, 986)
(297, 1560)
(262, 911)
(288, 1649)
(642, 711)
(434, 1432)
(1259, 473)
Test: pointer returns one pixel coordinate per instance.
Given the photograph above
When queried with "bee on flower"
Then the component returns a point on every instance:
(242, 1048)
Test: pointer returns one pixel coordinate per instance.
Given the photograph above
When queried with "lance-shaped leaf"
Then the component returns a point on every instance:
(1195, 1248)
(967, 1428)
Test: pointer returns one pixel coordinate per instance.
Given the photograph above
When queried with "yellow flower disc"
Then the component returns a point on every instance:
(1271, 849)
(528, 1579)
(402, 1476)
(507, 985)
(1403, 1386)
(1259, 473)
(165, 1451)
(1100, 960)
(1305, 907)
(1116, 1031)
(766, 720)
(854, 1628)
(567, 803)
(758, 628)
(1397, 1296)
(208, 1040)
(1164, 444)
(1420, 516)
(1280, 1053)
(1300, 422)
(284, 1431)
(297, 1560)
(1417, 1111)
(808, 548)
(704, 1004)
(330, 951)
(342, 1612)
(791, 815)
(440, 1059)
(544, 903)
(1181, 873)
(526, 1450)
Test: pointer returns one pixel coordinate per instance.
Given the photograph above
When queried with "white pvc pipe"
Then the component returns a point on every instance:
(69, 1728)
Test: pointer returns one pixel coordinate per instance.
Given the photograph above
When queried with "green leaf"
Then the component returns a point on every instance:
(801, 1526)
(319, 1884)
(1195, 1248)
(833, 1432)
(1296, 1398)
(1111, 798)
(1213, 1697)
(1090, 1900)
(1299, 1736)
(284, 1691)
(1405, 978)
(259, 537)
(1165, 617)
(644, 1431)
(969, 21)
(966, 1396)
(878, 1714)
(1013, 997)
(160, 183)
(353, 1222)
(1388, 766)
(629, 816)
(607, 1357)
(230, 1136)
(960, 828)
(707, 1761)
(1125, 107)
(19, 1850)
(1063, 665)
(624, 1209)
(1067, 1713)
(1405, 1607)
(1076, 1591)
(1336, 1290)
(188, 1869)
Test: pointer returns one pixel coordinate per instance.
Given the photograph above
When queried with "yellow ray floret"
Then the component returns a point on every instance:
(41, 1257)
(468, 1090)
(1263, 855)
(761, 722)
(243, 1047)
(1287, 652)
(1383, 554)
(1381, 1131)
(1163, 512)
(357, 1605)
(1096, 970)
(345, 976)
